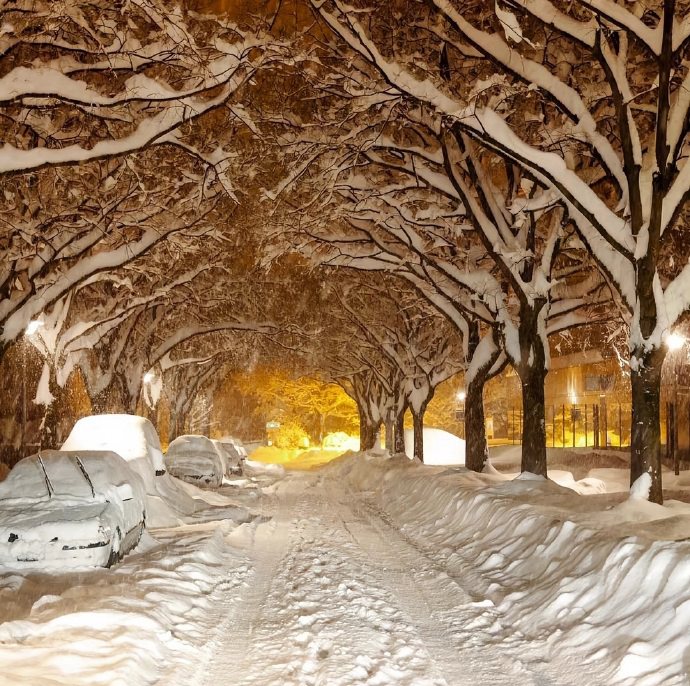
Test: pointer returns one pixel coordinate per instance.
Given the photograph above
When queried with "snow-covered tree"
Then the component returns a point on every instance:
(388, 185)
(591, 100)
(87, 80)
(419, 347)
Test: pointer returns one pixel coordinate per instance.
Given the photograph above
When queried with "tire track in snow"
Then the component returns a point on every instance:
(340, 597)
(229, 651)
(422, 593)
(464, 637)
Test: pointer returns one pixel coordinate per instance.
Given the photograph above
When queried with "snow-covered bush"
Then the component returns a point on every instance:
(290, 436)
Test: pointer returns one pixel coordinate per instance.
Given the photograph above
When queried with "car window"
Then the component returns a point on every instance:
(65, 476)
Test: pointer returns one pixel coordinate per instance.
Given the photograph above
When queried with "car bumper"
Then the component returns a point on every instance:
(41, 554)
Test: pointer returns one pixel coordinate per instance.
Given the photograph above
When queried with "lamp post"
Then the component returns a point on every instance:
(460, 396)
(674, 342)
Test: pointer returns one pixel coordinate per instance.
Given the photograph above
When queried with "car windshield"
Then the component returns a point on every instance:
(62, 477)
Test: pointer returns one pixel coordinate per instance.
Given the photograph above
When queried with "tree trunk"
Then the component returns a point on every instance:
(532, 372)
(533, 424)
(476, 446)
(49, 430)
(367, 431)
(111, 399)
(131, 404)
(390, 433)
(173, 431)
(322, 429)
(645, 443)
(400, 430)
(418, 425)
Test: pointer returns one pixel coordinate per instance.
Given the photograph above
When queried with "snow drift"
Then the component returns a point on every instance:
(570, 571)
(440, 447)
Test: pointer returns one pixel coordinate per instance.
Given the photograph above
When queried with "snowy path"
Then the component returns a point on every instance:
(339, 597)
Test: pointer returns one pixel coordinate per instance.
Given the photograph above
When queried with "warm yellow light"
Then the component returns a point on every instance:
(461, 395)
(675, 341)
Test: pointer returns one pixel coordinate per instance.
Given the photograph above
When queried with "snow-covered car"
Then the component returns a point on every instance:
(235, 454)
(132, 437)
(70, 509)
(196, 460)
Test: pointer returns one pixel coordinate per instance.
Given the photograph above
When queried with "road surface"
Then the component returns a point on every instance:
(337, 596)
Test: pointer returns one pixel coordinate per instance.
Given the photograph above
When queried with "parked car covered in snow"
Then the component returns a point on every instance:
(132, 437)
(235, 454)
(70, 509)
(196, 460)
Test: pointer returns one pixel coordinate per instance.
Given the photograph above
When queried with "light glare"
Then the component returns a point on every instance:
(675, 341)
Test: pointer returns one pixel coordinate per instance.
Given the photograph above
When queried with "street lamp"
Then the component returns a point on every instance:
(461, 395)
(674, 342)
(33, 327)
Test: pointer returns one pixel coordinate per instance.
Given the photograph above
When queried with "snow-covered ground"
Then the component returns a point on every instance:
(374, 570)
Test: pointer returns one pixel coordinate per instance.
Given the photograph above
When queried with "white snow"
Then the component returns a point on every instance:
(640, 489)
(379, 571)
(440, 447)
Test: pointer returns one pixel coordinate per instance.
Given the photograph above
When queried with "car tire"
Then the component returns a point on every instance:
(115, 548)
(139, 535)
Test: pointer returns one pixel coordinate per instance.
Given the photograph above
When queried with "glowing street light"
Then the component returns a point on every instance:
(149, 377)
(675, 341)
(461, 395)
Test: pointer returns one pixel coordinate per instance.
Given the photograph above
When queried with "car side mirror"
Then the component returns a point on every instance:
(125, 492)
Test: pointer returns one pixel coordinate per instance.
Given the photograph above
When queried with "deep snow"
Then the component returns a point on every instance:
(373, 570)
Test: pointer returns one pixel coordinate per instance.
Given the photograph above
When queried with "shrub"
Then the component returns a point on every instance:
(290, 436)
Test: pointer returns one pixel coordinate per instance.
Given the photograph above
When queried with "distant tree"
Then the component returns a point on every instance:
(278, 394)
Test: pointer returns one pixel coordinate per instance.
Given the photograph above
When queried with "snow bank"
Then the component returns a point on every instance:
(121, 633)
(440, 447)
(570, 571)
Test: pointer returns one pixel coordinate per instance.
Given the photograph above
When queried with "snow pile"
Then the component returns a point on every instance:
(440, 447)
(569, 571)
(105, 629)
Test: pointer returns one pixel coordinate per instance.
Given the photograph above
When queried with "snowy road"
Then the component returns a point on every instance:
(338, 596)
(369, 572)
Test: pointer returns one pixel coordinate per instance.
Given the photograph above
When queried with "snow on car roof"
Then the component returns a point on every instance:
(195, 440)
(130, 436)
